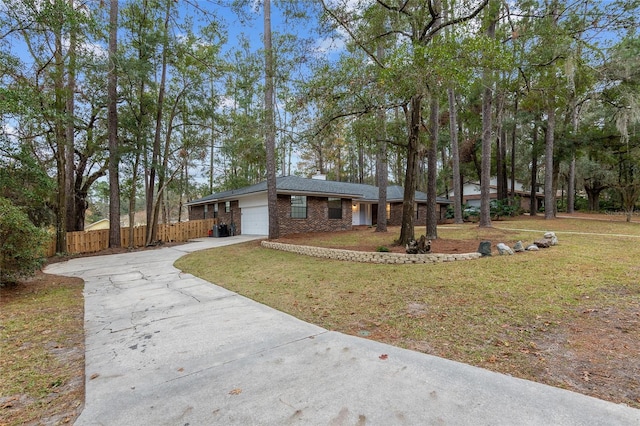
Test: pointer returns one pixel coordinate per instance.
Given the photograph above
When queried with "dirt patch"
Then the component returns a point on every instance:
(596, 355)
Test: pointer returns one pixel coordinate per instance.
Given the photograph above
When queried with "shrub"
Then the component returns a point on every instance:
(21, 243)
(500, 208)
(383, 249)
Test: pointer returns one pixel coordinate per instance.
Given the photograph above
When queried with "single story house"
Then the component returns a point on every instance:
(307, 205)
(471, 193)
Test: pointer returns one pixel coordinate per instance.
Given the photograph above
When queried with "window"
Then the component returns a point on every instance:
(388, 211)
(215, 210)
(335, 208)
(298, 207)
(206, 210)
(227, 206)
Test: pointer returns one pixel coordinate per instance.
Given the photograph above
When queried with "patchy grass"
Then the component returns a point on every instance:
(526, 315)
(42, 351)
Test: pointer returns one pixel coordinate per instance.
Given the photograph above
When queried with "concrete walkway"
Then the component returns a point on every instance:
(166, 348)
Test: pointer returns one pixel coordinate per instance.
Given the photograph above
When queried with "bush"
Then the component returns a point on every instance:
(501, 208)
(383, 249)
(21, 243)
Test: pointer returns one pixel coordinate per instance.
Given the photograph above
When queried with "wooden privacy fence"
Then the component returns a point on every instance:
(93, 241)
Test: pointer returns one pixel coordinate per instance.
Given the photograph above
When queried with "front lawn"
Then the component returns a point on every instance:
(568, 316)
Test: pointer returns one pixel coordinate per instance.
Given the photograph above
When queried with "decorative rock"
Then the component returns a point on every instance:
(504, 249)
(485, 248)
(551, 236)
(518, 247)
(544, 243)
(532, 247)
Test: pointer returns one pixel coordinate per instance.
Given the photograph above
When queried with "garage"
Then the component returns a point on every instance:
(255, 220)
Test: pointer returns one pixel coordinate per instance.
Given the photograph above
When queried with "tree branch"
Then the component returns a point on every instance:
(353, 37)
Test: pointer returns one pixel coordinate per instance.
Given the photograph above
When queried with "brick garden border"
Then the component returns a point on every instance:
(369, 257)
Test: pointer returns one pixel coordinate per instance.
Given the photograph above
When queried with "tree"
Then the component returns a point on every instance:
(270, 131)
(382, 168)
(57, 111)
(487, 99)
(112, 128)
(595, 177)
(417, 25)
(623, 71)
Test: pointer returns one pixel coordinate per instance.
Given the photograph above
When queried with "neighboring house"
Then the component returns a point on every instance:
(307, 205)
(101, 224)
(471, 193)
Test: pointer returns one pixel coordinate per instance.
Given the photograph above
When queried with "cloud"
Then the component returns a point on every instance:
(329, 45)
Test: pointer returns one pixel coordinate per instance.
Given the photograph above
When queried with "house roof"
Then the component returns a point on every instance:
(296, 185)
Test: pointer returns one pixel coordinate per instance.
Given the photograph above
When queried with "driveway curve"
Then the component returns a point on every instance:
(166, 348)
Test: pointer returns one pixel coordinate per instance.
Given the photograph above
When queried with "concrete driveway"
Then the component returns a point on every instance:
(166, 348)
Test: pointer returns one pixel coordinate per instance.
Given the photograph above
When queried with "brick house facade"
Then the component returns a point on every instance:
(317, 219)
(306, 205)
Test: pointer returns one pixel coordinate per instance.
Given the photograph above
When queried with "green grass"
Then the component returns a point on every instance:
(491, 312)
(40, 330)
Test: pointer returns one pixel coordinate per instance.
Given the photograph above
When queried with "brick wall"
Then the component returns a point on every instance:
(232, 216)
(317, 216)
(395, 214)
(197, 213)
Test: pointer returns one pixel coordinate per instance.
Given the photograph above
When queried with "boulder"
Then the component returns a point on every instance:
(518, 247)
(551, 236)
(504, 249)
(485, 248)
(532, 247)
(543, 243)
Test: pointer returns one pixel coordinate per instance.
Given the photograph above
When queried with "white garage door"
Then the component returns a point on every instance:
(255, 220)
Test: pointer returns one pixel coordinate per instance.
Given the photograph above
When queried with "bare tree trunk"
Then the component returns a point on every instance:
(571, 186)
(152, 208)
(549, 141)
(549, 194)
(132, 199)
(112, 125)
(270, 131)
(500, 143)
(533, 206)
(432, 170)
(485, 169)
(60, 142)
(485, 172)
(382, 169)
(414, 118)
(70, 132)
(514, 133)
(455, 155)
